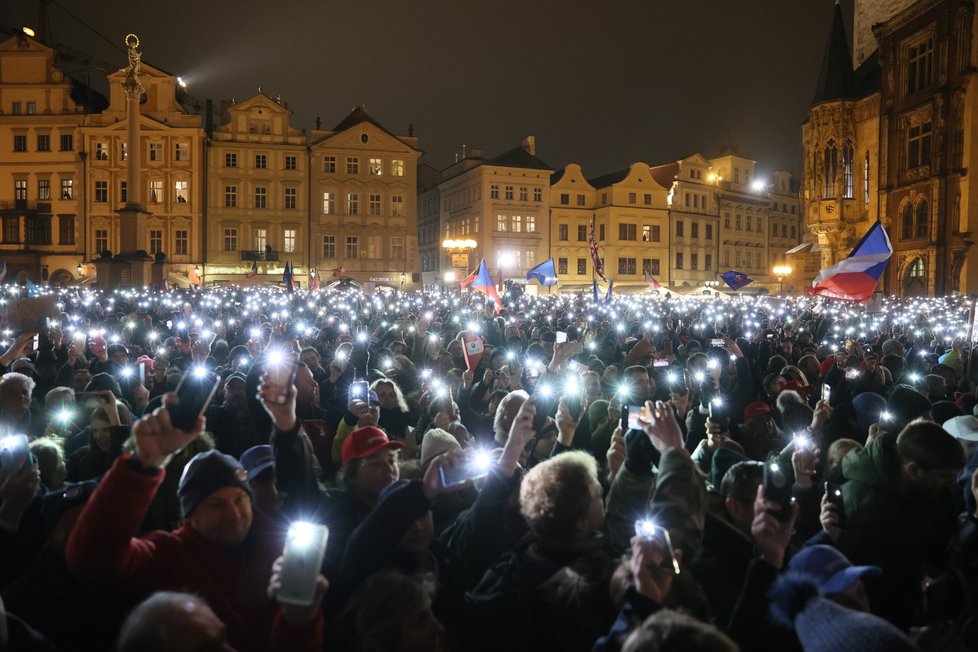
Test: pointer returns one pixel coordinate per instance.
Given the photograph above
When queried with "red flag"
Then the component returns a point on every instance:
(469, 280)
(654, 284)
(595, 254)
(313, 281)
(339, 271)
(253, 272)
(473, 350)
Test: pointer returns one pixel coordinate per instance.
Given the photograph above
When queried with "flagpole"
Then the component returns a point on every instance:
(971, 330)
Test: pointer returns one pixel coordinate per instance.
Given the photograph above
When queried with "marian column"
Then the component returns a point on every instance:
(132, 231)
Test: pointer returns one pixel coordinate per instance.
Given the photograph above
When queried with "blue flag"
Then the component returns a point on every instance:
(32, 290)
(736, 280)
(287, 277)
(611, 286)
(597, 301)
(544, 272)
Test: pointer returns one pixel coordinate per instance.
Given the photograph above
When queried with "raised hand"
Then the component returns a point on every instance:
(156, 438)
(296, 614)
(279, 403)
(829, 518)
(432, 484)
(771, 536)
(662, 427)
(651, 580)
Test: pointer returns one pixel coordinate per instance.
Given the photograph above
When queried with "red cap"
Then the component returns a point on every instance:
(798, 387)
(364, 442)
(756, 409)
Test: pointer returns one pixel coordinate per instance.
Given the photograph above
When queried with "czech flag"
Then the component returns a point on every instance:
(544, 272)
(854, 278)
(483, 283)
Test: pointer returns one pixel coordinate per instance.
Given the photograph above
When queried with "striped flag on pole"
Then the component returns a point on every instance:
(595, 254)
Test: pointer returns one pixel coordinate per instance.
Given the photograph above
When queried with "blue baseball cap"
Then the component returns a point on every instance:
(256, 459)
(830, 568)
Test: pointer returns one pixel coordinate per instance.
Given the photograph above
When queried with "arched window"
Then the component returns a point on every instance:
(922, 225)
(848, 182)
(908, 221)
(917, 269)
(866, 179)
(830, 163)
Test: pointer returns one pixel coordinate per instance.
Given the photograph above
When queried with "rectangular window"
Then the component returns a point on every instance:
(329, 246)
(531, 223)
(44, 189)
(261, 197)
(708, 259)
(561, 266)
(523, 193)
(562, 232)
(181, 152)
(509, 192)
(230, 158)
(101, 151)
(291, 195)
(20, 143)
(564, 198)
(261, 239)
(581, 200)
(123, 153)
(397, 205)
(397, 247)
(517, 224)
(291, 162)
(181, 240)
(31, 108)
(626, 232)
(530, 258)
(709, 231)
(679, 229)
(784, 230)
(352, 204)
(352, 165)
(156, 192)
(694, 230)
(66, 229)
(646, 233)
(374, 204)
(288, 240)
(679, 260)
(493, 191)
(726, 220)
(20, 189)
(582, 266)
(632, 198)
(601, 232)
(750, 223)
(155, 241)
(101, 240)
(182, 191)
(375, 166)
(67, 142)
(11, 229)
(352, 246)
(919, 65)
(329, 203)
(626, 265)
(67, 189)
(537, 194)
(650, 265)
(918, 145)
(694, 260)
(647, 199)
(397, 167)
(101, 192)
(230, 239)
(501, 223)
(329, 167)
(738, 221)
(16, 108)
(43, 143)
(230, 196)
(261, 161)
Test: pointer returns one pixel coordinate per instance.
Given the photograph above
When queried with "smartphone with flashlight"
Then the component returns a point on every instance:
(560, 336)
(476, 465)
(658, 362)
(359, 390)
(15, 453)
(826, 392)
(718, 343)
(302, 559)
(638, 416)
(195, 391)
(626, 418)
(777, 489)
(833, 494)
(647, 529)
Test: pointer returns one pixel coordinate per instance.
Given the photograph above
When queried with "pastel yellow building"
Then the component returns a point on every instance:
(258, 199)
(363, 202)
(171, 173)
(42, 169)
(572, 202)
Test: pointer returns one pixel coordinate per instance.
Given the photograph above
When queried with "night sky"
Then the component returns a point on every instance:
(600, 84)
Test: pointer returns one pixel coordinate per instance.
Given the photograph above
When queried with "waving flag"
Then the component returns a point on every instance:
(32, 290)
(611, 286)
(339, 271)
(287, 277)
(654, 284)
(544, 272)
(594, 291)
(854, 278)
(468, 280)
(313, 281)
(483, 283)
(736, 280)
(253, 272)
(3, 270)
(595, 254)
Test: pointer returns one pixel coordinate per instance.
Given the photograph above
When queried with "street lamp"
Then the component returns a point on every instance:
(713, 285)
(80, 269)
(781, 271)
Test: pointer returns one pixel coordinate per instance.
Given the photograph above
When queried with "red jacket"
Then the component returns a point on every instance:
(102, 548)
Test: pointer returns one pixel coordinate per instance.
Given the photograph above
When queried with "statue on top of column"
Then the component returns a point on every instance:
(132, 85)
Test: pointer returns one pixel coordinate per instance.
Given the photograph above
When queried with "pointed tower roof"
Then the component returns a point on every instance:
(836, 80)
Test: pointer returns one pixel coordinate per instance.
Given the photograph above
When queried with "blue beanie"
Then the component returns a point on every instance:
(206, 473)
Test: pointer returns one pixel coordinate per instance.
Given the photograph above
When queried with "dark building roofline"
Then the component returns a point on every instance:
(836, 80)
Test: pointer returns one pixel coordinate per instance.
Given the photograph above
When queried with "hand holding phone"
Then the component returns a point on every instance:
(195, 391)
(476, 465)
(833, 494)
(777, 489)
(646, 529)
(359, 390)
(15, 453)
(302, 559)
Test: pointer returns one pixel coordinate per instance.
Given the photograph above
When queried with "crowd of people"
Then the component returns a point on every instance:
(641, 473)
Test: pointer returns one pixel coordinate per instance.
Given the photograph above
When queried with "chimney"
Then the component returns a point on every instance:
(476, 153)
(529, 145)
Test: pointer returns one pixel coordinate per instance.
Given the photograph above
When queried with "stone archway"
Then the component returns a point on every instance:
(914, 280)
(61, 278)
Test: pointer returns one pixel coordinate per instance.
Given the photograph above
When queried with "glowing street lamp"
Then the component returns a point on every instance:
(781, 271)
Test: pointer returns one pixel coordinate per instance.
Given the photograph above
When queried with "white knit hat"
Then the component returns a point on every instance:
(435, 442)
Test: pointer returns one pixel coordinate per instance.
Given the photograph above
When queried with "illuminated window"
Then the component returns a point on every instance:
(397, 167)
(156, 154)
(397, 205)
(847, 172)
(181, 188)
(182, 152)
(531, 223)
(44, 189)
(329, 203)
(501, 223)
(352, 203)
(156, 191)
(865, 182)
(288, 240)
(376, 167)
(67, 189)
(517, 224)
(20, 189)
(101, 151)
(261, 239)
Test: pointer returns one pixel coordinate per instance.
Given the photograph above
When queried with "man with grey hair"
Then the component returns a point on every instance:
(16, 414)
